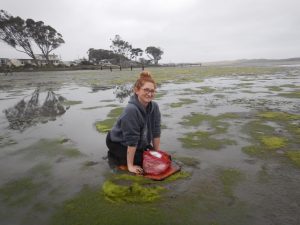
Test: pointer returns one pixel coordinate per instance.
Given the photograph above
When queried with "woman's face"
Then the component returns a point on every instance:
(146, 93)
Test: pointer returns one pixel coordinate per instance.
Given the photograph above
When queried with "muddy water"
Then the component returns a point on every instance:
(40, 152)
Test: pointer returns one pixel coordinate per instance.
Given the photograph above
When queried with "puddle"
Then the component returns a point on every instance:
(235, 133)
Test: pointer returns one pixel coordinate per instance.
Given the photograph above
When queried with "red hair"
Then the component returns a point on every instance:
(145, 76)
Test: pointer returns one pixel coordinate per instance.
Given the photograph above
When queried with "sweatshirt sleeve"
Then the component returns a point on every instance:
(157, 121)
(131, 126)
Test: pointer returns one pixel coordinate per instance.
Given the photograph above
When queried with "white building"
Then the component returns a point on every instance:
(41, 60)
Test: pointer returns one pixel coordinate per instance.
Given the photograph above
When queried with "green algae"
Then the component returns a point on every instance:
(221, 96)
(112, 105)
(41, 169)
(205, 90)
(293, 94)
(182, 102)
(178, 176)
(257, 128)
(266, 138)
(49, 148)
(105, 126)
(196, 119)
(279, 116)
(160, 94)
(245, 84)
(206, 202)
(203, 140)
(92, 107)
(273, 142)
(63, 140)
(274, 88)
(40, 207)
(263, 175)
(20, 192)
(163, 126)
(134, 193)
(116, 112)
(188, 161)
(71, 102)
(90, 207)
(229, 178)
(294, 156)
(119, 178)
(254, 150)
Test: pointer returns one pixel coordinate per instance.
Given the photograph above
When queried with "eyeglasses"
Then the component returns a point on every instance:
(149, 91)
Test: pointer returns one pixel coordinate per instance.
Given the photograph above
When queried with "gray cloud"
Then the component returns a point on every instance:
(187, 30)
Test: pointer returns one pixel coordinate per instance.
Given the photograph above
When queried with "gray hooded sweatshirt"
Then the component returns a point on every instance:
(137, 125)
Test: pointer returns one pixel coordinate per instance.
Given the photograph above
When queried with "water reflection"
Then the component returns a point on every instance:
(27, 113)
(123, 91)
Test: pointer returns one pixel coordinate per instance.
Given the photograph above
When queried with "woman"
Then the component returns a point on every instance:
(138, 127)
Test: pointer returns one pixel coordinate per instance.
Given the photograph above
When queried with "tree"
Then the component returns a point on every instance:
(14, 32)
(45, 37)
(135, 52)
(120, 46)
(21, 35)
(96, 55)
(154, 53)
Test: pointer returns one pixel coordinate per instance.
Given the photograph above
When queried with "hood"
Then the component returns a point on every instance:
(134, 100)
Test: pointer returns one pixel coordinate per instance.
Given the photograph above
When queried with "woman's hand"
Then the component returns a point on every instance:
(136, 169)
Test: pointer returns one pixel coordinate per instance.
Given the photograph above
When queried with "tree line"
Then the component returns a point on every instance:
(122, 52)
(26, 35)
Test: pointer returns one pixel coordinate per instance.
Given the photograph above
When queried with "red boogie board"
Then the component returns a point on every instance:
(174, 168)
(170, 171)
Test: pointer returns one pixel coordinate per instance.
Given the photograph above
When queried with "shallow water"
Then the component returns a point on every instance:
(275, 200)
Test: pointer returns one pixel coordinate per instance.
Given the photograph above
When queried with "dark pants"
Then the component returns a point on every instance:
(117, 153)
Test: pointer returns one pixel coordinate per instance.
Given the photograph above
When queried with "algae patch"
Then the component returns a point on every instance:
(134, 193)
(182, 102)
(20, 192)
(294, 94)
(267, 140)
(229, 178)
(105, 125)
(202, 139)
(49, 148)
(294, 156)
(188, 161)
(273, 142)
(91, 207)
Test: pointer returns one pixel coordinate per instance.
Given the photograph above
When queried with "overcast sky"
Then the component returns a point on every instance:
(186, 30)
